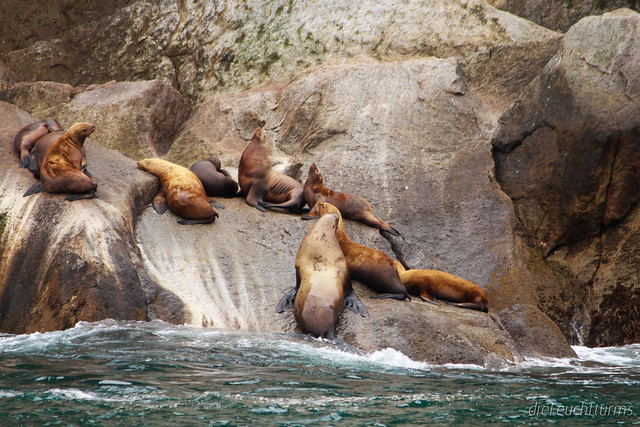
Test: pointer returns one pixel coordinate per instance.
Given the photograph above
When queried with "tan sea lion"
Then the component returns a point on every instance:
(61, 170)
(323, 286)
(216, 181)
(367, 265)
(351, 206)
(40, 149)
(181, 191)
(432, 284)
(26, 138)
(263, 186)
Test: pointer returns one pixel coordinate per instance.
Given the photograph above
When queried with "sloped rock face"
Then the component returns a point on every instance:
(200, 47)
(568, 154)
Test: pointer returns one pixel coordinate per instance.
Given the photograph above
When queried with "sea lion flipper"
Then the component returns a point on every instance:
(25, 160)
(74, 197)
(429, 300)
(353, 303)
(286, 302)
(399, 297)
(35, 188)
(216, 204)
(159, 203)
(312, 214)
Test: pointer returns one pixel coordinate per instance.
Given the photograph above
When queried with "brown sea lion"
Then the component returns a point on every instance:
(26, 138)
(351, 206)
(323, 286)
(181, 191)
(61, 170)
(432, 284)
(367, 265)
(216, 181)
(263, 186)
(40, 149)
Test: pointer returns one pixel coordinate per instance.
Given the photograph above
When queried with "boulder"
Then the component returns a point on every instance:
(63, 262)
(568, 154)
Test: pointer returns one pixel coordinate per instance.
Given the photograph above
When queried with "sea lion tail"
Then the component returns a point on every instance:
(35, 188)
(353, 303)
(286, 302)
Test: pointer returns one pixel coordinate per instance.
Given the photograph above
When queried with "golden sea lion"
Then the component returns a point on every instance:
(61, 170)
(26, 138)
(180, 191)
(216, 181)
(432, 284)
(351, 206)
(263, 186)
(367, 265)
(323, 286)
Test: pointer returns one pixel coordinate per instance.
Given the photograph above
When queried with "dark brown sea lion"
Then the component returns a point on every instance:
(216, 181)
(263, 186)
(323, 286)
(432, 284)
(26, 138)
(351, 206)
(367, 265)
(61, 170)
(180, 191)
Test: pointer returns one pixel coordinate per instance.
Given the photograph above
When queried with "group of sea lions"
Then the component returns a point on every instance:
(327, 258)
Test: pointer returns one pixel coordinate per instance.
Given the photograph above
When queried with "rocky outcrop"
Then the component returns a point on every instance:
(359, 95)
(560, 15)
(568, 154)
(200, 47)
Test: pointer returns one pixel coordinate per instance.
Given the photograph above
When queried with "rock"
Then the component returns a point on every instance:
(560, 15)
(40, 99)
(62, 262)
(567, 153)
(235, 45)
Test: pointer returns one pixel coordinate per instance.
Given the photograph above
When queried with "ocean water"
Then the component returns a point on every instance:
(133, 373)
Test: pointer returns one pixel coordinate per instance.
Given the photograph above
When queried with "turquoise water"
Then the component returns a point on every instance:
(130, 373)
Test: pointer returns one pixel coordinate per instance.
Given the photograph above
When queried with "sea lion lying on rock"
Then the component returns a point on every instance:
(351, 206)
(432, 284)
(216, 181)
(181, 191)
(26, 138)
(263, 186)
(367, 265)
(323, 285)
(62, 169)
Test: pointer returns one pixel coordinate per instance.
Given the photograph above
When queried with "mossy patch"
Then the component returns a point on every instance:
(3, 222)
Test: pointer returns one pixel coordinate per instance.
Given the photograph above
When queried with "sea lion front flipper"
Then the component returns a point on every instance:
(286, 302)
(255, 196)
(312, 214)
(399, 297)
(74, 197)
(35, 188)
(353, 303)
(159, 203)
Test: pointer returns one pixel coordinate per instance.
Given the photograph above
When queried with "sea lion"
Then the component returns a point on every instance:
(216, 181)
(351, 206)
(26, 138)
(40, 149)
(432, 284)
(263, 186)
(181, 191)
(61, 170)
(323, 286)
(367, 265)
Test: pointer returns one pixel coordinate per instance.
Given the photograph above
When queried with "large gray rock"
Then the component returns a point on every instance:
(201, 47)
(568, 154)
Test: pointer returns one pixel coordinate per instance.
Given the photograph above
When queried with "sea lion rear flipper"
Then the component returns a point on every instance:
(312, 214)
(216, 204)
(353, 303)
(159, 203)
(469, 305)
(25, 160)
(74, 197)
(388, 229)
(35, 188)
(286, 302)
(429, 301)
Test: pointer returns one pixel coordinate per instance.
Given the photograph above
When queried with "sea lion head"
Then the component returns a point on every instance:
(216, 163)
(82, 130)
(259, 137)
(325, 208)
(314, 176)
